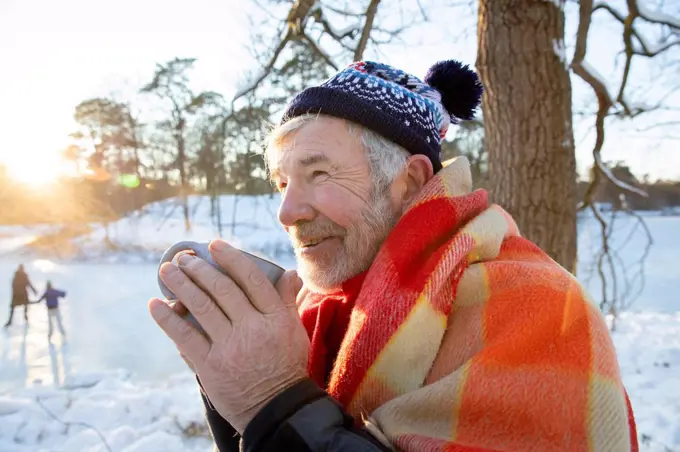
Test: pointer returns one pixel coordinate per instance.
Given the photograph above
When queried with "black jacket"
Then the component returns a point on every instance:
(302, 418)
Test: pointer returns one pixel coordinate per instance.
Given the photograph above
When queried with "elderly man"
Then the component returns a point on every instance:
(421, 320)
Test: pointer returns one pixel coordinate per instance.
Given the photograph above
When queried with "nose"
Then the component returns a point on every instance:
(295, 206)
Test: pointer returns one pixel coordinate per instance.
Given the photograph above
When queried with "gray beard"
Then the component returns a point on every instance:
(360, 247)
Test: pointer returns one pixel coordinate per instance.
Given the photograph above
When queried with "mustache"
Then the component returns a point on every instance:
(302, 231)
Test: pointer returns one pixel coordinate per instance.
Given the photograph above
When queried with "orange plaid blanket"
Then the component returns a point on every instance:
(467, 337)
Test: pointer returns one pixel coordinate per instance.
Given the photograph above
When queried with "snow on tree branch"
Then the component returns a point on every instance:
(621, 18)
(637, 10)
(634, 44)
(343, 12)
(605, 99)
(656, 17)
(561, 52)
(595, 80)
(609, 175)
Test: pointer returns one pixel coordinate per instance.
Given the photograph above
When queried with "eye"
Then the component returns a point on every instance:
(317, 173)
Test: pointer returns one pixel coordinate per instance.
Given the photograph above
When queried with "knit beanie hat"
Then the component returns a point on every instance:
(397, 105)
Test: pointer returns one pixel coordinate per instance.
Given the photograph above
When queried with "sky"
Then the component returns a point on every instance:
(55, 54)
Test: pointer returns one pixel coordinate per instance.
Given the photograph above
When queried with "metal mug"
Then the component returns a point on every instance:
(200, 249)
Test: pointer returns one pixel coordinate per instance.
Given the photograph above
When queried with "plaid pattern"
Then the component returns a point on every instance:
(467, 337)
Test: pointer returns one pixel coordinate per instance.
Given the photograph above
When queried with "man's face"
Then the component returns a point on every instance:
(329, 207)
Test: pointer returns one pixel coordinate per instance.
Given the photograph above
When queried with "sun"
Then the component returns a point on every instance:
(36, 170)
(35, 177)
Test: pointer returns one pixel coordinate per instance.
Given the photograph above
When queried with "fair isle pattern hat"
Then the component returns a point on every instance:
(412, 113)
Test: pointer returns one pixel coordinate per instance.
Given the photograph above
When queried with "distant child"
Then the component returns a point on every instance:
(51, 297)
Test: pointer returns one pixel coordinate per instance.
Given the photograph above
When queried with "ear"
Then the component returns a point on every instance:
(417, 173)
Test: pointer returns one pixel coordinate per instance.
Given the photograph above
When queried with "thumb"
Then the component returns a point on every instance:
(288, 287)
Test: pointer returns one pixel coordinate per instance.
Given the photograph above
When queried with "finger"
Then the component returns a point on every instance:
(187, 361)
(203, 308)
(245, 272)
(188, 341)
(179, 308)
(288, 287)
(228, 296)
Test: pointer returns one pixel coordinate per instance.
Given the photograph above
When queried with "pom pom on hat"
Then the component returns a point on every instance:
(458, 85)
(413, 113)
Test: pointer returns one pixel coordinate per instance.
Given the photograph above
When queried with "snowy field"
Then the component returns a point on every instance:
(117, 383)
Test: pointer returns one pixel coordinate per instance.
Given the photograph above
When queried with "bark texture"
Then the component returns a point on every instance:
(527, 120)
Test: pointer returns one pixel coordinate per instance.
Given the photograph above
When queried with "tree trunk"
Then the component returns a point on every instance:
(527, 121)
(181, 161)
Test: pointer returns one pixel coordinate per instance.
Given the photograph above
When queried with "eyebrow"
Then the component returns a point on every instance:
(313, 159)
(306, 161)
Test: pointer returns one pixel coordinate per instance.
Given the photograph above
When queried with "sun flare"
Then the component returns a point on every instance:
(35, 177)
(34, 169)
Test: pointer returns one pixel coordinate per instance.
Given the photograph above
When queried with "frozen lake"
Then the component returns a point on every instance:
(109, 327)
(106, 320)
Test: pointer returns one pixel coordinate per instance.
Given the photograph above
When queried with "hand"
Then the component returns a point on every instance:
(258, 346)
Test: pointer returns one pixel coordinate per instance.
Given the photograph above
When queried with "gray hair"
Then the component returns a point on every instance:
(385, 158)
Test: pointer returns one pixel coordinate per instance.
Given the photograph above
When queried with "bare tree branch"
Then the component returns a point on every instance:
(621, 18)
(264, 9)
(338, 35)
(395, 33)
(614, 297)
(659, 49)
(295, 21)
(657, 125)
(635, 11)
(648, 245)
(422, 10)
(368, 25)
(654, 17)
(298, 15)
(319, 52)
(301, 26)
(628, 44)
(267, 69)
(605, 101)
(603, 252)
(342, 11)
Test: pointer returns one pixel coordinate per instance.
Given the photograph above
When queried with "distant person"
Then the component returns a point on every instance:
(20, 285)
(51, 297)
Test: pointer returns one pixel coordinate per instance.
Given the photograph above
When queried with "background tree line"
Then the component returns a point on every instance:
(170, 137)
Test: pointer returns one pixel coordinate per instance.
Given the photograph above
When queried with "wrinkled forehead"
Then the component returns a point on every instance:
(311, 141)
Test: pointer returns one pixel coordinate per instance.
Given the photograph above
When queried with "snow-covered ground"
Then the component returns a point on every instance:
(247, 221)
(118, 376)
(648, 347)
